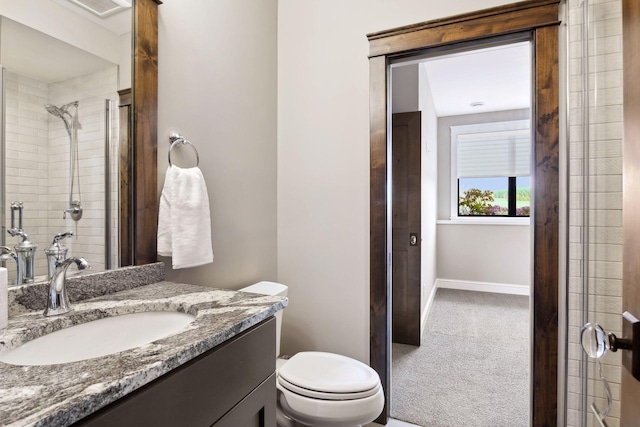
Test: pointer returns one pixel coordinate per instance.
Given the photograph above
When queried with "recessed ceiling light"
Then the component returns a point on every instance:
(477, 104)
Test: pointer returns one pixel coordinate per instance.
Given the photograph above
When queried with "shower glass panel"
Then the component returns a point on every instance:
(595, 205)
(57, 140)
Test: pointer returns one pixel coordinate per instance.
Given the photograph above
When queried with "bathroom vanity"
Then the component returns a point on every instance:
(231, 385)
(218, 370)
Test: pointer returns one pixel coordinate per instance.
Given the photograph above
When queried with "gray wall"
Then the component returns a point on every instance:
(218, 86)
(430, 167)
(323, 162)
(404, 95)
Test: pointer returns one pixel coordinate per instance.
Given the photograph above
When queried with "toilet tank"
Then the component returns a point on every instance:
(272, 289)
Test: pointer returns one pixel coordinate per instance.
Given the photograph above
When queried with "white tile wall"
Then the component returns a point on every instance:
(27, 150)
(604, 285)
(39, 176)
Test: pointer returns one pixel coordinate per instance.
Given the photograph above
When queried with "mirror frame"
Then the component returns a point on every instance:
(143, 199)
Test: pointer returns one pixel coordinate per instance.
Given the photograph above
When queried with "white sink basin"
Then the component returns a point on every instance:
(98, 338)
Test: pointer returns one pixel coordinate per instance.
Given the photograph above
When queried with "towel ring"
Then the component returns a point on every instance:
(177, 139)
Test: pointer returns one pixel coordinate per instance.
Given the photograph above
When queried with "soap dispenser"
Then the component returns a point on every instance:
(56, 252)
(26, 253)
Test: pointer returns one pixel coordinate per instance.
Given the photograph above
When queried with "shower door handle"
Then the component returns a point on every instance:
(595, 342)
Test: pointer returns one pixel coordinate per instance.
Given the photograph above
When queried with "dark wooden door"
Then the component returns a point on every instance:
(630, 387)
(406, 233)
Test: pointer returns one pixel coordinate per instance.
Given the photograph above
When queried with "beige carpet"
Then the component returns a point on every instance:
(472, 368)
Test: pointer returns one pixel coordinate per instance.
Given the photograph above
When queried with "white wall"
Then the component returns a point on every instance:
(411, 92)
(485, 253)
(217, 85)
(429, 266)
(323, 162)
(125, 61)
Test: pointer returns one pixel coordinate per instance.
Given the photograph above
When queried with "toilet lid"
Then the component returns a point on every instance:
(328, 373)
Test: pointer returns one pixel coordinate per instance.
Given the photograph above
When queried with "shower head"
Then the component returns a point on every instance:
(52, 109)
(62, 112)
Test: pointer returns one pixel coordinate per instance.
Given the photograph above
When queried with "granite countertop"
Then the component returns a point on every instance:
(58, 395)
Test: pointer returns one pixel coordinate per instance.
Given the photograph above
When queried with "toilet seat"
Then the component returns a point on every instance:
(328, 374)
(314, 394)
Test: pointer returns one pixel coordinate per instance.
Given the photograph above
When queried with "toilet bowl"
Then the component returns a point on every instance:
(322, 389)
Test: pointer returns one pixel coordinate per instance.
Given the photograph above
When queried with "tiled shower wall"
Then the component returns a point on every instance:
(94, 88)
(598, 297)
(39, 177)
(26, 154)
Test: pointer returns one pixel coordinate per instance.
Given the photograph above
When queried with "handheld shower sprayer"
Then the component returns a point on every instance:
(71, 124)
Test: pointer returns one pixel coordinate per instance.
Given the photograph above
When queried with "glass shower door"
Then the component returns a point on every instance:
(595, 203)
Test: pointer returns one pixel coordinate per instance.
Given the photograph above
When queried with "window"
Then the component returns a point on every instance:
(490, 170)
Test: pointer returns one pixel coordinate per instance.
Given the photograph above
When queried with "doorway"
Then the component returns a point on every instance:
(538, 20)
(472, 285)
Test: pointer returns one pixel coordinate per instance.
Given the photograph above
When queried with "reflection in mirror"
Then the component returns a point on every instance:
(60, 137)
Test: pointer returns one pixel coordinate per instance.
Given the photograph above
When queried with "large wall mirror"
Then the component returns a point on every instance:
(62, 68)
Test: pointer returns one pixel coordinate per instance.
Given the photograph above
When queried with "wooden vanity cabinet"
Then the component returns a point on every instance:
(231, 385)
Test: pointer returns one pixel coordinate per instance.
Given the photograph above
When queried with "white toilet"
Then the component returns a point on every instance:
(322, 389)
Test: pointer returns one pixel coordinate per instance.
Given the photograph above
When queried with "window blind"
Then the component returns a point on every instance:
(494, 154)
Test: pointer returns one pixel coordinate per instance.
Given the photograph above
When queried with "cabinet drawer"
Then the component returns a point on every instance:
(202, 390)
(258, 409)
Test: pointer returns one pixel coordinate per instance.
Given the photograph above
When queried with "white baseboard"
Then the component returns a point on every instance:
(427, 307)
(498, 288)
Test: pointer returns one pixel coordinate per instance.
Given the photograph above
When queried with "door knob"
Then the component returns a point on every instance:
(413, 239)
(595, 342)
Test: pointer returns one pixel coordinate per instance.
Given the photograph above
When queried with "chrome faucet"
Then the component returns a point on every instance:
(56, 253)
(6, 254)
(58, 301)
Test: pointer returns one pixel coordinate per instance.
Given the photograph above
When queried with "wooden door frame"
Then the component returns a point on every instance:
(539, 18)
(143, 198)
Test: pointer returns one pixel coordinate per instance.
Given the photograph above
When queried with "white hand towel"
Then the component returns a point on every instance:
(184, 219)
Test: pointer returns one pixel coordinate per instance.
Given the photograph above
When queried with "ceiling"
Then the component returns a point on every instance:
(38, 55)
(118, 23)
(499, 77)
